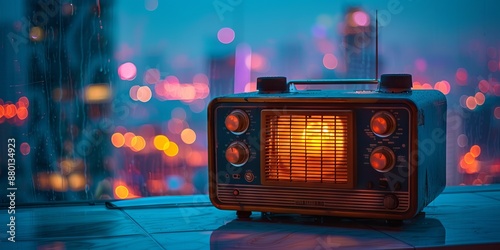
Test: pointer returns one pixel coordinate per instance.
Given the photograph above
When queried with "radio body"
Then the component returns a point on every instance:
(363, 154)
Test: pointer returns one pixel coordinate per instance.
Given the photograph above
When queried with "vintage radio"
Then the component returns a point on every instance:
(366, 154)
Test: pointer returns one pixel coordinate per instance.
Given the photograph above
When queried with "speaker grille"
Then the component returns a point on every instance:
(309, 147)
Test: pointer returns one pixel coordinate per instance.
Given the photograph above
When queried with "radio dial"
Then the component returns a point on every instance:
(237, 154)
(237, 122)
(382, 159)
(383, 124)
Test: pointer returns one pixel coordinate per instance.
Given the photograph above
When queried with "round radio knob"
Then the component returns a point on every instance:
(383, 124)
(382, 159)
(237, 154)
(237, 122)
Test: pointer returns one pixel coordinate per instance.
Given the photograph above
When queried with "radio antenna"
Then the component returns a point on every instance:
(376, 44)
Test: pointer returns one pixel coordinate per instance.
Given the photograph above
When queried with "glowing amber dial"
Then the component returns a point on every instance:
(237, 154)
(237, 121)
(383, 124)
(382, 159)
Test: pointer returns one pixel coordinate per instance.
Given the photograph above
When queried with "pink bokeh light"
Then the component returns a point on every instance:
(361, 18)
(226, 35)
(127, 71)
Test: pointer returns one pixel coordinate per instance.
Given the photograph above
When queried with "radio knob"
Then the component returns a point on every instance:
(237, 154)
(383, 124)
(382, 159)
(237, 122)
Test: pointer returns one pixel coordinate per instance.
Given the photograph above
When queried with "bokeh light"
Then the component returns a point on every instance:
(480, 98)
(151, 5)
(250, 87)
(133, 92)
(121, 192)
(256, 62)
(421, 64)
(198, 106)
(469, 158)
(475, 151)
(188, 136)
(36, 34)
(226, 35)
(77, 181)
(97, 93)
(463, 101)
(443, 86)
(461, 76)
(330, 61)
(58, 182)
(462, 140)
(22, 113)
(128, 138)
(176, 125)
(152, 76)
(23, 102)
(416, 85)
(137, 143)
(484, 86)
(25, 148)
(471, 103)
(179, 113)
(10, 111)
(493, 65)
(127, 71)
(161, 142)
(144, 94)
(496, 112)
(427, 86)
(2, 111)
(360, 18)
(118, 140)
(172, 150)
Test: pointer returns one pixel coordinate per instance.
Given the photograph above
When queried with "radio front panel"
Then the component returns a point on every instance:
(338, 156)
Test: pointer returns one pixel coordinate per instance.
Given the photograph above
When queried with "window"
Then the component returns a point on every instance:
(107, 99)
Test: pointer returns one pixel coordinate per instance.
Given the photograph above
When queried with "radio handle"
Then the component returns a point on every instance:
(333, 81)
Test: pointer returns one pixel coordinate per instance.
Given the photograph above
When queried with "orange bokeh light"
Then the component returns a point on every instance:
(188, 136)
(22, 113)
(469, 158)
(480, 98)
(77, 181)
(172, 149)
(475, 150)
(138, 143)
(443, 86)
(2, 111)
(161, 142)
(426, 86)
(471, 102)
(58, 182)
(118, 140)
(128, 138)
(121, 192)
(144, 94)
(10, 111)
